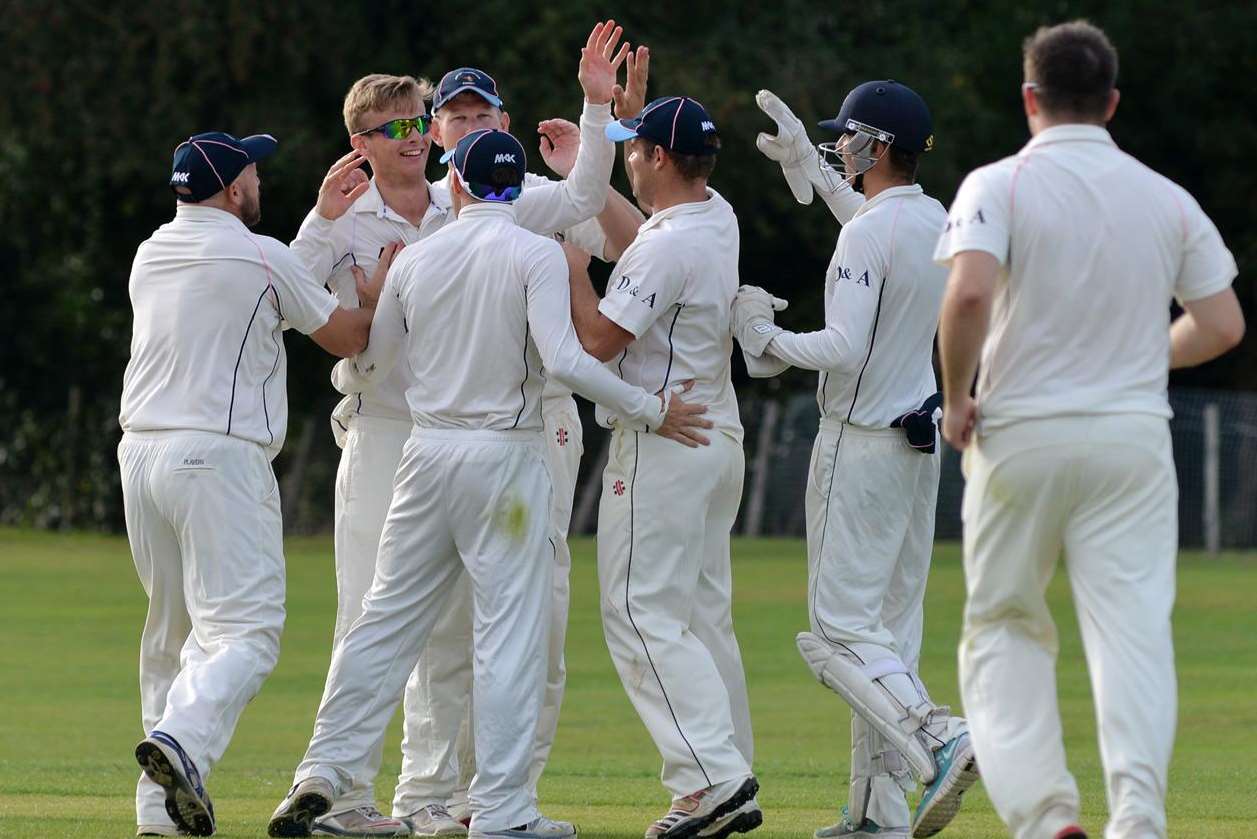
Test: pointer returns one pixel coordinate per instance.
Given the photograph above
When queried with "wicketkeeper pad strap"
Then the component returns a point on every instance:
(873, 701)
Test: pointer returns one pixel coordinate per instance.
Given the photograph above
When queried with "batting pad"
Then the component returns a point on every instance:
(857, 686)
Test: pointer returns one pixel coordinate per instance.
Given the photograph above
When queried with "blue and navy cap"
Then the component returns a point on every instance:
(206, 164)
(678, 123)
(891, 109)
(490, 163)
(463, 79)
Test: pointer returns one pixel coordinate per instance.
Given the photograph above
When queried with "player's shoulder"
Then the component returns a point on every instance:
(532, 179)
(996, 174)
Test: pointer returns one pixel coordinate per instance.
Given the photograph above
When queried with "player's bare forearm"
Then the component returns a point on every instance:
(1207, 328)
(601, 337)
(964, 320)
(619, 220)
(346, 332)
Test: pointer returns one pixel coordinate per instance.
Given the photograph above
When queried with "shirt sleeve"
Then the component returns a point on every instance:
(1208, 267)
(588, 236)
(648, 279)
(550, 323)
(979, 217)
(304, 304)
(553, 206)
(857, 272)
(386, 343)
(319, 247)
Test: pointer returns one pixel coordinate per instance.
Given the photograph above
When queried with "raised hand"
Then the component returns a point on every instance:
(344, 184)
(560, 141)
(369, 289)
(630, 100)
(600, 62)
(790, 147)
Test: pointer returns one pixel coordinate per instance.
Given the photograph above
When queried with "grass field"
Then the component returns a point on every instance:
(69, 716)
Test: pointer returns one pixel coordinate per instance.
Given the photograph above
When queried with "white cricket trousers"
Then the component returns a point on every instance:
(203, 520)
(667, 595)
(870, 505)
(1102, 491)
(372, 451)
(477, 501)
(437, 761)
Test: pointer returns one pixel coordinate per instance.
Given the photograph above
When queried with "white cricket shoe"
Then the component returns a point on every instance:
(435, 820)
(166, 764)
(957, 771)
(742, 820)
(867, 829)
(692, 813)
(305, 802)
(539, 828)
(359, 821)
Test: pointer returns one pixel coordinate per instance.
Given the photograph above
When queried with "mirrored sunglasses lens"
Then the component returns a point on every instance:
(398, 129)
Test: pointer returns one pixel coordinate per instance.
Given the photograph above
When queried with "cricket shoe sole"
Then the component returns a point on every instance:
(166, 764)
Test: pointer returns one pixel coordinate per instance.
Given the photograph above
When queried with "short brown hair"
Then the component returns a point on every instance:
(692, 167)
(1073, 67)
(380, 92)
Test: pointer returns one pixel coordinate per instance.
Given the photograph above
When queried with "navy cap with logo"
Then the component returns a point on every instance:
(462, 80)
(490, 164)
(206, 164)
(678, 123)
(891, 109)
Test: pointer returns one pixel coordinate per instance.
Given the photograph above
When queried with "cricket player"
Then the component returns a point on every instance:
(355, 218)
(666, 510)
(204, 410)
(873, 479)
(1064, 258)
(472, 492)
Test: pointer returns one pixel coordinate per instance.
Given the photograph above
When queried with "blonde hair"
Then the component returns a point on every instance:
(380, 92)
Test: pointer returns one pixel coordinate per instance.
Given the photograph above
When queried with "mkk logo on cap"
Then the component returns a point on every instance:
(206, 164)
(678, 123)
(490, 164)
(464, 79)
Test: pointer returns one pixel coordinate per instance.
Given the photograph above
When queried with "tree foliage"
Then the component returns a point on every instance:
(97, 95)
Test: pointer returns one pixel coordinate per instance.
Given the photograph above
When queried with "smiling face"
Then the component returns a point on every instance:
(465, 113)
(394, 161)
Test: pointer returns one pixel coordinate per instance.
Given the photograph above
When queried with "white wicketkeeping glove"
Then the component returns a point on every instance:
(790, 147)
(800, 162)
(753, 318)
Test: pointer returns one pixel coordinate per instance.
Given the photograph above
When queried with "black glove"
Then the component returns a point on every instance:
(920, 426)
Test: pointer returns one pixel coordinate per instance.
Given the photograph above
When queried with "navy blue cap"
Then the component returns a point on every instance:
(892, 110)
(677, 123)
(463, 79)
(206, 164)
(490, 163)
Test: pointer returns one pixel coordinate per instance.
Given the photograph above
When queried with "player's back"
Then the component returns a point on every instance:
(463, 291)
(1098, 244)
(206, 348)
(673, 288)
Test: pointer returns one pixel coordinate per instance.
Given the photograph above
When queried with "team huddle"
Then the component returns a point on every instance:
(465, 320)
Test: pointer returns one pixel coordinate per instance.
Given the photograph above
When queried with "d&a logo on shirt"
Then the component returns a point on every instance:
(959, 222)
(626, 286)
(845, 274)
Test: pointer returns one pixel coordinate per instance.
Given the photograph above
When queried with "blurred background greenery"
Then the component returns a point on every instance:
(97, 95)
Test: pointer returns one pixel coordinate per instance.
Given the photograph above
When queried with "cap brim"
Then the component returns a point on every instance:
(259, 146)
(449, 155)
(832, 125)
(625, 129)
(488, 97)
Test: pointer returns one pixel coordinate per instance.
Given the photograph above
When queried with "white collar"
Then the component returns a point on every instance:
(487, 209)
(372, 201)
(204, 212)
(887, 194)
(1070, 132)
(713, 200)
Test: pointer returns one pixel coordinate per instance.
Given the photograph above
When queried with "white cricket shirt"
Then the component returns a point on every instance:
(478, 309)
(883, 292)
(673, 288)
(331, 248)
(207, 349)
(1093, 245)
